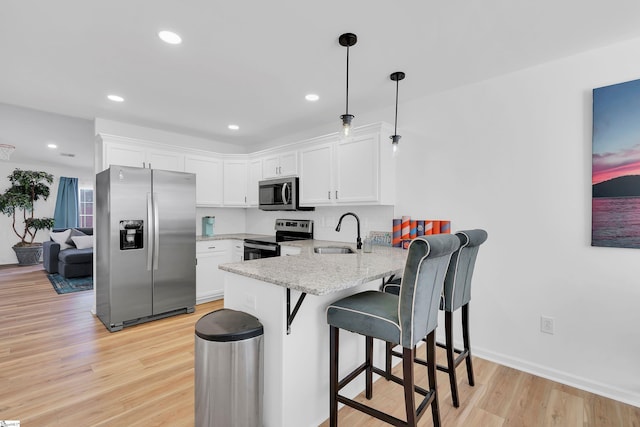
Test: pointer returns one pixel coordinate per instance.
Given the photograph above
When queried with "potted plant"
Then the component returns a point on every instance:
(17, 201)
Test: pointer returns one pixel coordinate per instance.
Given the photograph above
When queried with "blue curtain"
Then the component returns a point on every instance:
(66, 213)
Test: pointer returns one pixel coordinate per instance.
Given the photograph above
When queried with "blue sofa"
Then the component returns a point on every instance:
(72, 262)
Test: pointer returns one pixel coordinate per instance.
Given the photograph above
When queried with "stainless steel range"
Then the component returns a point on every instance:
(286, 230)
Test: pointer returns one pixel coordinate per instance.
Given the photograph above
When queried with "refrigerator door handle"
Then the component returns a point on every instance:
(156, 232)
(149, 234)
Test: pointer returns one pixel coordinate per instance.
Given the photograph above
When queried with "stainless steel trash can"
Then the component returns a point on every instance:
(228, 370)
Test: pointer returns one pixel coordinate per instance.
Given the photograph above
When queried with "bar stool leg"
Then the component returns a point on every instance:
(333, 373)
(408, 355)
(451, 364)
(369, 370)
(387, 360)
(431, 371)
(467, 342)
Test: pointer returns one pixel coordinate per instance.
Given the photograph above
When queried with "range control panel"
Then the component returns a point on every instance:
(297, 225)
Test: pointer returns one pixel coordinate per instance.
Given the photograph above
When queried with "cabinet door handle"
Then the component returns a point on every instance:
(336, 194)
(211, 247)
(329, 194)
(144, 165)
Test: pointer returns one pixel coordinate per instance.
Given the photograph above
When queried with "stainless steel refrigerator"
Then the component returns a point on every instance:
(145, 245)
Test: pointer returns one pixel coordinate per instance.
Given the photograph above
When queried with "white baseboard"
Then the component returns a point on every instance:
(201, 299)
(630, 397)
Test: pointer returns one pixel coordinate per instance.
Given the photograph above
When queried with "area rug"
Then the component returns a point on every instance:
(75, 284)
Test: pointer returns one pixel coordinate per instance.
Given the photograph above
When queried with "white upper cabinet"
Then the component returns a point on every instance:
(235, 183)
(117, 150)
(316, 175)
(208, 171)
(123, 155)
(254, 176)
(282, 164)
(165, 160)
(356, 171)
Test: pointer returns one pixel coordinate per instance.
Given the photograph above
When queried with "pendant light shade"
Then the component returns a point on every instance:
(347, 40)
(395, 138)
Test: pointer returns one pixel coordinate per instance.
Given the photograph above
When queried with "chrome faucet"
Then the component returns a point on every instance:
(359, 240)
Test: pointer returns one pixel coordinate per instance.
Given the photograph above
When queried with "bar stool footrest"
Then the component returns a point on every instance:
(429, 395)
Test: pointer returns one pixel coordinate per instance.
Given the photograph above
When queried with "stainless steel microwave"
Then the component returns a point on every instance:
(280, 194)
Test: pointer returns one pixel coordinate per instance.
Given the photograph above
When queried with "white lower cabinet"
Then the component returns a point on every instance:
(237, 250)
(289, 250)
(209, 279)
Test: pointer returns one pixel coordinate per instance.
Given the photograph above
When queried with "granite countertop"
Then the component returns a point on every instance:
(234, 236)
(323, 274)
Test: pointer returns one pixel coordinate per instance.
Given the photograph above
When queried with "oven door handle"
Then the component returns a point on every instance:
(263, 247)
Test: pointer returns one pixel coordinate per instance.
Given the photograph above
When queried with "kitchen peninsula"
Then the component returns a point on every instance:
(289, 296)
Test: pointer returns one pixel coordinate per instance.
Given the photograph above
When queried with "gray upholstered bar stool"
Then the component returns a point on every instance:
(403, 319)
(457, 294)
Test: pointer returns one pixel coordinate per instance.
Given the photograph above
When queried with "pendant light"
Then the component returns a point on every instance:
(395, 138)
(347, 40)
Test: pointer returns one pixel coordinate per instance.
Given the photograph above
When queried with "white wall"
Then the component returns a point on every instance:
(372, 218)
(228, 220)
(42, 208)
(513, 155)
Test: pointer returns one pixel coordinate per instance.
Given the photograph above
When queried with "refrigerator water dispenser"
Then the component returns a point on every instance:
(131, 234)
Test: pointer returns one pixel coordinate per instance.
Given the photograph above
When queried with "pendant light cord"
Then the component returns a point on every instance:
(347, 102)
(395, 129)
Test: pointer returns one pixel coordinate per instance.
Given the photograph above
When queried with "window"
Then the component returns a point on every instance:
(86, 207)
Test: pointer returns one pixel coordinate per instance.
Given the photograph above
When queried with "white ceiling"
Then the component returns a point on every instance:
(252, 62)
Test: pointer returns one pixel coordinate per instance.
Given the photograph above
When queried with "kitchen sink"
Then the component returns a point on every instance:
(333, 250)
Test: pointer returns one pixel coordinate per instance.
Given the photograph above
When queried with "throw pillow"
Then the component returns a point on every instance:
(61, 238)
(83, 242)
(74, 232)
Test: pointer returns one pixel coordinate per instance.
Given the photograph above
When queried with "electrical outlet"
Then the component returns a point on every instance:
(546, 325)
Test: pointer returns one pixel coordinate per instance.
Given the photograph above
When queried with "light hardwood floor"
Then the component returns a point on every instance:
(59, 366)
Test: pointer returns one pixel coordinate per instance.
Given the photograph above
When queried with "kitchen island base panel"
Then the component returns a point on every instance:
(296, 366)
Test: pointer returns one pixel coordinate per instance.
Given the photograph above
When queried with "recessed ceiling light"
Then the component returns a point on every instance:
(312, 97)
(52, 146)
(233, 127)
(115, 98)
(170, 37)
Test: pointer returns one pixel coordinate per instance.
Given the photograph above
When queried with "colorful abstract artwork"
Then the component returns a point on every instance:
(615, 178)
